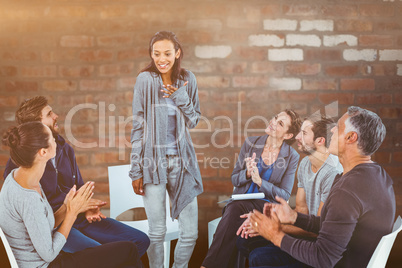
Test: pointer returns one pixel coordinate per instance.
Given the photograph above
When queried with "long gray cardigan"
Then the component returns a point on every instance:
(283, 175)
(148, 136)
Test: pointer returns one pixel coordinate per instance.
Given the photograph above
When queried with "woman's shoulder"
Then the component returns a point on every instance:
(145, 80)
(187, 75)
(146, 75)
(292, 151)
(18, 196)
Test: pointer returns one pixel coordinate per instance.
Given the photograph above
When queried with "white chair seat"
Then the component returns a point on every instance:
(123, 198)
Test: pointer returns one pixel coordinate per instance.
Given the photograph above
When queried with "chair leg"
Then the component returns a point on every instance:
(166, 246)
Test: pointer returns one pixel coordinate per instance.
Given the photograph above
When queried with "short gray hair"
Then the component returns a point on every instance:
(369, 128)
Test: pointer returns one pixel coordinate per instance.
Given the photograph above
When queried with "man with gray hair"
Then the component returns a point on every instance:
(360, 208)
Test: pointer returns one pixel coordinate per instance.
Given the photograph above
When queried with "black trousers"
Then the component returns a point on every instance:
(224, 242)
(115, 254)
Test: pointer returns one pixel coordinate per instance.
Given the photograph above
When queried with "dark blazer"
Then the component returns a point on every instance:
(283, 175)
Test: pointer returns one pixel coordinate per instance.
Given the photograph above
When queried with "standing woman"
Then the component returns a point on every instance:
(165, 107)
(36, 237)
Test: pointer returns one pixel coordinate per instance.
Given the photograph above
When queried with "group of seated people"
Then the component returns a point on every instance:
(338, 220)
(345, 202)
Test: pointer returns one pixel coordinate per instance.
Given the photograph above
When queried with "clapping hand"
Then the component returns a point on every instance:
(284, 212)
(245, 230)
(93, 215)
(268, 227)
(78, 201)
(251, 165)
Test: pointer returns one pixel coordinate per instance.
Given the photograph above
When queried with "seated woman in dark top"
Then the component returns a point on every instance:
(266, 164)
(36, 237)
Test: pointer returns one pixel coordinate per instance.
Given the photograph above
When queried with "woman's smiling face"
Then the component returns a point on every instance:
(164, 56)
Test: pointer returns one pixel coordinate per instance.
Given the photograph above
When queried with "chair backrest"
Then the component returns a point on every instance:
(10, 254)
(122, 196)
(381, 253)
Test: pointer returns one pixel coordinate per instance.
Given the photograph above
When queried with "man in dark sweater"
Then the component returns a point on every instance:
(360, 208)
(91, 228)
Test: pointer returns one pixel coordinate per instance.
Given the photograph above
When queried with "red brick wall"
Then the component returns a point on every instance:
(251, 58)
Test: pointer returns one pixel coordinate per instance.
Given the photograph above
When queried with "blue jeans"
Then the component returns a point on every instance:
(262, 253)
(86, 235)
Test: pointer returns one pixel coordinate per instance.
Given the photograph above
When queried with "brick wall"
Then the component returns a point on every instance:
(251, 59)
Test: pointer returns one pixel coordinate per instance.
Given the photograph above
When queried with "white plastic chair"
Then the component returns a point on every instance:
(212, 225)
(123, 198)
(9, 252)
(381, 253)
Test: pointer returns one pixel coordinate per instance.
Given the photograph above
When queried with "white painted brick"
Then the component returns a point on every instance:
(309, 40)
(334, 40)
(363, 54)
(319, 25)
(399, 69)
(209, 24)
(285, 83)
(261, 40)
(209, 52)
(285, 54)
(280, 25)
(390, 54)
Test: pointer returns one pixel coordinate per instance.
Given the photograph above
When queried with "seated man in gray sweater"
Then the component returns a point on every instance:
(360, 208)
(315, 176)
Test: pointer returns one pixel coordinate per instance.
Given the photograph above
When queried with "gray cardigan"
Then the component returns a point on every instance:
(282, 178)
(148, 136)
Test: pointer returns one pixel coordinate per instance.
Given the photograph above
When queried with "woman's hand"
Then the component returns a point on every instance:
(255, 176)
(245, 230)
(169, 89)
(70, 195)
(250, 165)
(138, 186)
(79, 202)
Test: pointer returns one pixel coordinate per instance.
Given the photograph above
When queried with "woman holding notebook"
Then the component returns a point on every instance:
(266, 164)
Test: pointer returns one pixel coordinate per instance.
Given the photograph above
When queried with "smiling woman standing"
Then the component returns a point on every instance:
(165, 107)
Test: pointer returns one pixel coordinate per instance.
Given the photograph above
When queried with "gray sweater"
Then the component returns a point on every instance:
(148, 136)
(27, 221)
(360, 209)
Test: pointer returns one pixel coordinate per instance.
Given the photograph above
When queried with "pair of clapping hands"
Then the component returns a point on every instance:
(268, 223)
(252, 170)
(79, 201)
